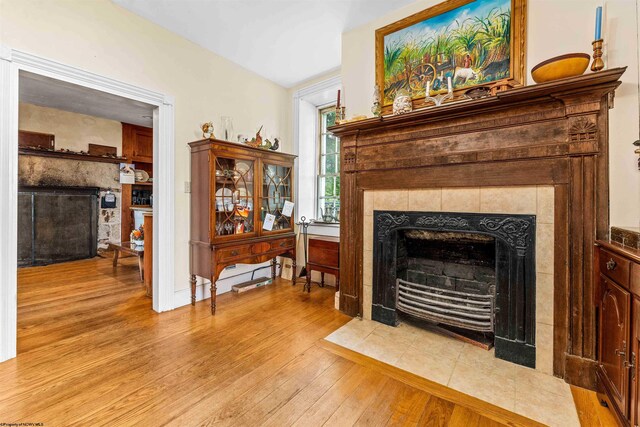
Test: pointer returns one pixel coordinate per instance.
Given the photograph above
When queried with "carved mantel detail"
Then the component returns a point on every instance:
(583, 129)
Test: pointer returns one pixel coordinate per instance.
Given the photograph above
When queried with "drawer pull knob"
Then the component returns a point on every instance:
(234, 253)
(283, 244)
(611, 264)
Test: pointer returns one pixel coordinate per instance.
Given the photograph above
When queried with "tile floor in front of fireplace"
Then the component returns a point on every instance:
(463, 367)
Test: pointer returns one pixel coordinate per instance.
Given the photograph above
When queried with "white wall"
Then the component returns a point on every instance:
(554, 27)
(103, 38)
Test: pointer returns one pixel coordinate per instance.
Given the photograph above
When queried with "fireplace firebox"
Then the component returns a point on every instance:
(467, 271)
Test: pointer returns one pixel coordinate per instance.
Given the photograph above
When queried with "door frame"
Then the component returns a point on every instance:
(13, 61)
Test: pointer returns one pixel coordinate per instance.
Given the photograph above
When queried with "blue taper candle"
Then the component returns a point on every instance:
(598, 23)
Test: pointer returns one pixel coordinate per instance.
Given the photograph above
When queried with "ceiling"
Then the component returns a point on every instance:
(286, 41)
(47, 92)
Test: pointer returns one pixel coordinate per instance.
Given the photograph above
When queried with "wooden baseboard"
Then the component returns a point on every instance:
(488, 410)
(580, 371)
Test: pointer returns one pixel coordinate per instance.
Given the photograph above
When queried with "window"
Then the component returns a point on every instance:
(329, 169)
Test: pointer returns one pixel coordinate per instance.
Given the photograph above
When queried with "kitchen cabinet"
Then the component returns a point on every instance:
(137, 143)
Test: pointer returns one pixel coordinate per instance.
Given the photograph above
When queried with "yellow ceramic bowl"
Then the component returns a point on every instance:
(561, 67)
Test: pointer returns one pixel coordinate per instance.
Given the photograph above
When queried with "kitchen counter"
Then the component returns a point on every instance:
(141, 208)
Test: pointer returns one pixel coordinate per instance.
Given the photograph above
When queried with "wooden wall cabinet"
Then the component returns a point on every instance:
(233, 188)
(137, 143)
(137, 147)
(617, 299)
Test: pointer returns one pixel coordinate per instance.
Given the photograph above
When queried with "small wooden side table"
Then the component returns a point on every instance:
(131, 249)
(324, 256)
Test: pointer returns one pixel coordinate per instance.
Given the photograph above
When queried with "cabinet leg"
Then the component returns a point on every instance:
(214, 296)
(337, 283)
(295, 275)
(274, 263)
(322, 279)
(193, 289)
(307, 284)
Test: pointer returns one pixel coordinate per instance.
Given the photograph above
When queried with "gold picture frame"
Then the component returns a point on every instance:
(437, 43)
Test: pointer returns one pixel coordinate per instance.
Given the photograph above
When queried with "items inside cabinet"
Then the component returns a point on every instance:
(234, 190)
(276, 191)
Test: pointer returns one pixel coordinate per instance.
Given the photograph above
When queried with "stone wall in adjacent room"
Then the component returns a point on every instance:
(54, 172)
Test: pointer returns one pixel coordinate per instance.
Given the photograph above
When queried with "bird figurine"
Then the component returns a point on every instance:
(257, 140)
(275, 145)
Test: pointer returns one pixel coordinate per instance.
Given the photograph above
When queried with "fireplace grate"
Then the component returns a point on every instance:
(454, 308)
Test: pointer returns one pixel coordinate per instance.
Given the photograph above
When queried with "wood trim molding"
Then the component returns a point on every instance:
(9, 202)
(549, 134)
(13, 61)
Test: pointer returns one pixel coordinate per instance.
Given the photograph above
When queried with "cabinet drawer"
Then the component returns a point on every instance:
(283, 243)
(323, 252)
(614, 267)
(233, 252)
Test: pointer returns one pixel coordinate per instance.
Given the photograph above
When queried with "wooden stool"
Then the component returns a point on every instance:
(324, 256)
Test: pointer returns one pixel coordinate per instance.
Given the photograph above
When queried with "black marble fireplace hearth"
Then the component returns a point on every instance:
(487, 258)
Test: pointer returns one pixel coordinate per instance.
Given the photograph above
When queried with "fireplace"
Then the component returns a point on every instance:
(471, 272)
(448, 278)
(56, 224)
(553, 136)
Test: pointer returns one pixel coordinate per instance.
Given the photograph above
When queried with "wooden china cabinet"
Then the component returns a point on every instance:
(618, 302)
(233, 189)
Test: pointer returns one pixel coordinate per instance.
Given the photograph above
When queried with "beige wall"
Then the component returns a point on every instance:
(104, 38)
(555, 27)
(73, 131)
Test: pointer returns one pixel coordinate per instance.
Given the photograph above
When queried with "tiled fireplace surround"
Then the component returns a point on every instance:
(531, 200)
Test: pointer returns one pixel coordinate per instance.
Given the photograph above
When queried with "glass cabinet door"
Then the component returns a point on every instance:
(233, 196)
(276, 190)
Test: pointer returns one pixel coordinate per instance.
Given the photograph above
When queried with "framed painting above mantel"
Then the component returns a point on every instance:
(472, 42)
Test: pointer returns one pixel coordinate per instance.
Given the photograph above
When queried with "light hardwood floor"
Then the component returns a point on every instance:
(91, 352)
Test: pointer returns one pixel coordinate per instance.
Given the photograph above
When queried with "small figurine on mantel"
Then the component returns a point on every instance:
(376, 109)
(207, 130)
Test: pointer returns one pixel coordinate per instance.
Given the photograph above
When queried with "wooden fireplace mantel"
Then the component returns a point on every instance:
(548, 134)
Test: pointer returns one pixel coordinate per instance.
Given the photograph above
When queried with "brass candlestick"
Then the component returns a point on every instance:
(598, 63)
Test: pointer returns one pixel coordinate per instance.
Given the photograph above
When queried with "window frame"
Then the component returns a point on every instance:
(321, 110)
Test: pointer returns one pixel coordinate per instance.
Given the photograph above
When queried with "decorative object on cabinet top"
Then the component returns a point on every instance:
(207, 130)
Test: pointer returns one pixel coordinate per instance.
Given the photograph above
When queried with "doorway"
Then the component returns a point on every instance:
(13, 64)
